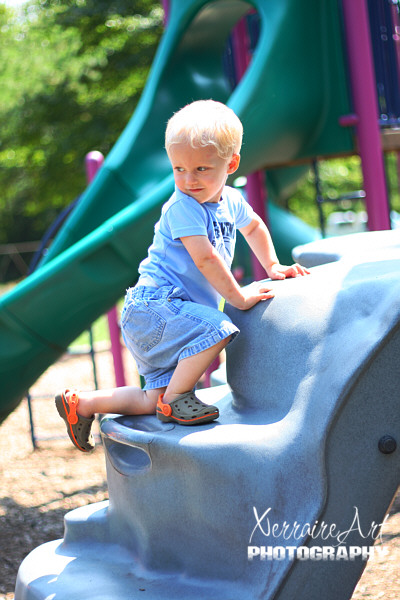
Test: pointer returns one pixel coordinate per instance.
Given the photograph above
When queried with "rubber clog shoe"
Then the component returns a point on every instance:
(79, 428)
(186, 409)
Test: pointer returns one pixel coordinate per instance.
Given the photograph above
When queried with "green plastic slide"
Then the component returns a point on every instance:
(289, 100)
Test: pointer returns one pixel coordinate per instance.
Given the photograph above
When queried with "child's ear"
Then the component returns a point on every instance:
(234, 163)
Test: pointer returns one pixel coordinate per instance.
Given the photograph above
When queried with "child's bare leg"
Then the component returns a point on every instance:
(189, 371)
(123, 401)
(131, 400)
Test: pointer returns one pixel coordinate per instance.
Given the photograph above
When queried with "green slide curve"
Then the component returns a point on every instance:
(289, 100)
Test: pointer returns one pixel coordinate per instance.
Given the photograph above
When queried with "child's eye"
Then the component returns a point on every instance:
(202, 168)
(179, 169)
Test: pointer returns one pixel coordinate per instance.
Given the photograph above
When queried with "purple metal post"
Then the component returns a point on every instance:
(116, 348)
(165, 5)
(255, 187)
(93, 163)
(363, 86)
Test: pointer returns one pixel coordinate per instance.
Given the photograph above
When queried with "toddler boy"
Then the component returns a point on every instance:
(170, 320)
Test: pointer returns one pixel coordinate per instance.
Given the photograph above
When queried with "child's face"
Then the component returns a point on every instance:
(200, 172)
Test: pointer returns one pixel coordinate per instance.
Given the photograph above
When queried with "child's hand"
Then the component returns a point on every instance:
(254, 293)
(278, 271)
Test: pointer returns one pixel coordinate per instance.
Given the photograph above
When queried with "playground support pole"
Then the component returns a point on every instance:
(165, 5)
(255, 187)
(94, 161)
(363, 85)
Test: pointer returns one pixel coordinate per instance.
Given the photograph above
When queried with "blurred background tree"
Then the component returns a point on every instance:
(71, 74)
(341, 177)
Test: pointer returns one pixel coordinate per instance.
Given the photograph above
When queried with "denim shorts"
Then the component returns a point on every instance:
(161, 326)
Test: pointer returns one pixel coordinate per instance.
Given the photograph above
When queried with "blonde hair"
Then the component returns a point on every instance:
(204, 123)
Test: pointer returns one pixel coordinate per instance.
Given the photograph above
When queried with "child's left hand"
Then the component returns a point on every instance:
(278, 271)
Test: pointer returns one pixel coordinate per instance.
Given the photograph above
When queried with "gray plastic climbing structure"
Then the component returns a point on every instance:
(284, 496)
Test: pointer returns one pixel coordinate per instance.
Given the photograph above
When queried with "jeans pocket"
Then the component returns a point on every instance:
(142, 327)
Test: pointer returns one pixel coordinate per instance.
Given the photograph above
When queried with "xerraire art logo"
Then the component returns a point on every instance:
(283, 540)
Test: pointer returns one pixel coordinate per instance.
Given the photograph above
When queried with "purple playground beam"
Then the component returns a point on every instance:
(255, 187)
(363, 87)
(93, 162)
(165, 5)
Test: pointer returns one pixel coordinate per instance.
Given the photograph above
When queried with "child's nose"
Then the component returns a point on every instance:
(192, 177)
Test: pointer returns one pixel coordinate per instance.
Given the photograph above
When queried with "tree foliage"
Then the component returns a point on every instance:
(71, 74)
(340, 177)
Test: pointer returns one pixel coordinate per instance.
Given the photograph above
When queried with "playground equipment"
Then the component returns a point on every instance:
(355, 245)
(293, 100)
(287, 116)
(307, 437)
(94, 161)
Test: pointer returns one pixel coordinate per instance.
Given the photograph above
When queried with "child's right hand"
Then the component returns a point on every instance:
(254, 293)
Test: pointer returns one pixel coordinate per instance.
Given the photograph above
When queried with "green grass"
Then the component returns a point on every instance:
(100, 331)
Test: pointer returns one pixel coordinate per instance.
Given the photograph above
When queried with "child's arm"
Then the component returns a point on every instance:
(215, 270)
(259, 240)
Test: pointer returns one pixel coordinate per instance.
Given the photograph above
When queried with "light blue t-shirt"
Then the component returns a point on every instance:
(168, 261)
